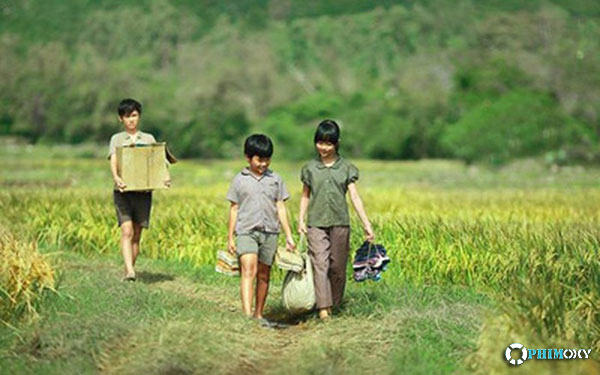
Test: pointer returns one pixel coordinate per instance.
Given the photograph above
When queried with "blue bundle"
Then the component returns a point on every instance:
(370, 261)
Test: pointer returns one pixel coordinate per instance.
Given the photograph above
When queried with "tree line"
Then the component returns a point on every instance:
(487, 80)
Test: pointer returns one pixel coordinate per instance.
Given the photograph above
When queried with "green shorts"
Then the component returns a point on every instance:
(257, 242)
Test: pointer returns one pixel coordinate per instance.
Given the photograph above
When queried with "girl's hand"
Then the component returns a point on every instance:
(302, 229)
(369, 235)
(167, 182)
(290, 245)
(231, 246)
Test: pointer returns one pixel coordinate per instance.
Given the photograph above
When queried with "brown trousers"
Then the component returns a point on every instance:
(328, 250)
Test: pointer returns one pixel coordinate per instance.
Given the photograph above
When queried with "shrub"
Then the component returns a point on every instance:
(519, 124)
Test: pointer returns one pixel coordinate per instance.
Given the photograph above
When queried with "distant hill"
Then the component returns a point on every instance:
(46, 20)
(406, 79)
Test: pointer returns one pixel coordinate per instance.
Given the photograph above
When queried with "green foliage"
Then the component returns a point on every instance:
(394, 73)
(528, 241)
(281, 126)
(518, 124)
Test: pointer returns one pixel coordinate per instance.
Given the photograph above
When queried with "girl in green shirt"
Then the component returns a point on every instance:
(326, 179)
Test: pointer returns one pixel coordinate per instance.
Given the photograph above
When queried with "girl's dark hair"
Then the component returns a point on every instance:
(328, 131)
(127, 106)
(258, 144)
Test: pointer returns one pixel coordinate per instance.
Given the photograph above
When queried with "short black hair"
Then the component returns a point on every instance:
(328, 131)
(129, 105)
(258, 144)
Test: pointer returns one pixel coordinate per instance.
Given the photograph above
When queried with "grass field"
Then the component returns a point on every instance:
(482, 258)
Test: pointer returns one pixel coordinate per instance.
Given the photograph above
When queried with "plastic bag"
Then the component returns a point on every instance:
(298, 293)
(288, 260)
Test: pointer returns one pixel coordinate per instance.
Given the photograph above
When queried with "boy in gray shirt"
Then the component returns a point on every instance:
(133, 207)
(257, 197)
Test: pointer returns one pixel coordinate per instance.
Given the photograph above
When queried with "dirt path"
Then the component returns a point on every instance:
(354, 342)
(180, 321)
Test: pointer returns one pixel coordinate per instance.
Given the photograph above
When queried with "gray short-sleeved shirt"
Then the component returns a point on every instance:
(328, 186)
(257, 198)
(126, 139)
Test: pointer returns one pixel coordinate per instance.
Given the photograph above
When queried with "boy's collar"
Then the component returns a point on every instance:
(247, 171)
(336, 164)
(138, 134)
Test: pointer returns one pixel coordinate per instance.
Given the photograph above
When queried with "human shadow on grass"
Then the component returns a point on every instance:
(151, 277)
(280, 314)
(356, 303)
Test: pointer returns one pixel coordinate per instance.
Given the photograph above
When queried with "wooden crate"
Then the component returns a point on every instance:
(142, 167)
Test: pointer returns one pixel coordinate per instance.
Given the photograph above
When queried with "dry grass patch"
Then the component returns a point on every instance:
(24, 276)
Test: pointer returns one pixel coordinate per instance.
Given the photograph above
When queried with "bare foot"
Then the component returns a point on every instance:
(129, 277)
(324, 314)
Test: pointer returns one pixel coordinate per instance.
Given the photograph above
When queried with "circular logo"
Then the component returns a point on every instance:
(509, 358)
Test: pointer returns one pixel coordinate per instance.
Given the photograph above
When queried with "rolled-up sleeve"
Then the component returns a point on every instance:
(305, 176)
(112, 146)
(283, 193)
(232, 193)
(352, 174)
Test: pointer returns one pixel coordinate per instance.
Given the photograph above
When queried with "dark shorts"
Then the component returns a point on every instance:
(133, 206)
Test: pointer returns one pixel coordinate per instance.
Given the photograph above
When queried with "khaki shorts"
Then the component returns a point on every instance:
(133, 206)
(257, 242)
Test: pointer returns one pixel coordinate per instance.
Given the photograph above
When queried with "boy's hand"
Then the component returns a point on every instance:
(369, 235)
(231, 246)
(120, 183)
(167, 182)
(290, 245)
(302, 229)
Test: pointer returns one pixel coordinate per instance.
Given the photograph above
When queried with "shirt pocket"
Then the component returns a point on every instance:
(272, 190)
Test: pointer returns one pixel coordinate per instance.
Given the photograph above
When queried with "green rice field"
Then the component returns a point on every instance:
(481, 258)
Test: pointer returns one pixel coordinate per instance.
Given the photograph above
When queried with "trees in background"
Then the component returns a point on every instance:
(473, 80)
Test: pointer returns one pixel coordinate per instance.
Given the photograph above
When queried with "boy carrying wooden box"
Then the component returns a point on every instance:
(132, 207)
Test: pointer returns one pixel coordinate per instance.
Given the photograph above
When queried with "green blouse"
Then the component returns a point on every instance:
(328, 186)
